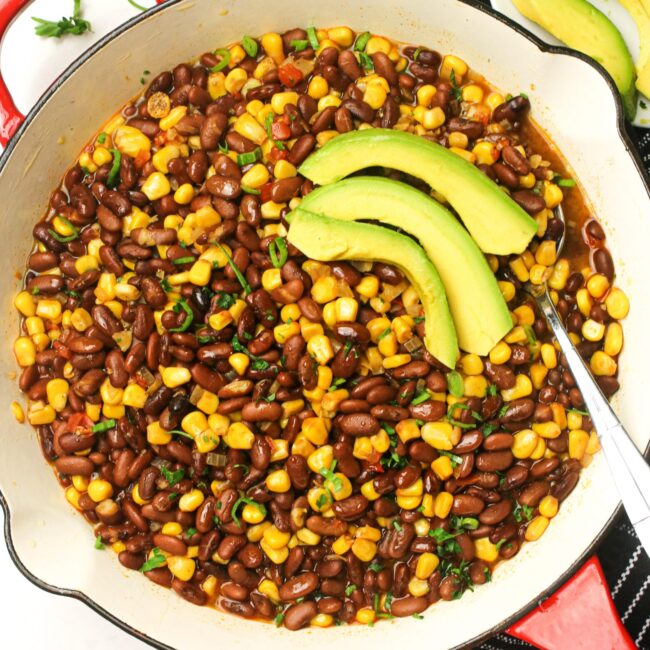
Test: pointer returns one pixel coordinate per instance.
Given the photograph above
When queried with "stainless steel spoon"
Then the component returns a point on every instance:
(630, 471)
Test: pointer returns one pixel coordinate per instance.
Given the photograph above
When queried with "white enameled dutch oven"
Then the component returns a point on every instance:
(572, 99)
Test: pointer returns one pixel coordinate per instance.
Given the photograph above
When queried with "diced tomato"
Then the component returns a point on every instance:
(140, 160)
(62, 350)
(79, 423)
(289, 75)
(276, 154)
(373, 463)
(280, 130)
(265, 192)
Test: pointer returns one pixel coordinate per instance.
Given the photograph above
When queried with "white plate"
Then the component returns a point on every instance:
(616, 13)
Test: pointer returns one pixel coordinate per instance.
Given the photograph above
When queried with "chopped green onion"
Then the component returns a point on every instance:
(250, 46)
(455, 384)
(397, 525)
(362, 41)
(61, 238)
(225, 60)
(101, 138)
(113, 175)
(279, 244)
(330, 476)
(190, 532)
(248, 501)
(313, 37)
(226, 300)
(238, 274)
(566, 182)
(249, 157)
(100, 427)
(299, 45)
(416, 54)
(422, 397)
(454, 459)
(278, 619)
(99, 545)
(350, 589)
(366, 61)
(455, 88)
(224, 148)
(184, 260)
(172, 477)
(249, 190)
(189, 318)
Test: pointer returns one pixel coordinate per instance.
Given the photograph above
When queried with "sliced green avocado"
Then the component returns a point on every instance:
(479, 311)
(495, 221)
(328, 240)
(582, 27)
(638, 9)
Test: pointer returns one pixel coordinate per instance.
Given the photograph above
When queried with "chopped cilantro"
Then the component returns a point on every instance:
(455, 383)
(99, 545)
(455, 88)
(172, 478)
(157, 559)
(248, 501)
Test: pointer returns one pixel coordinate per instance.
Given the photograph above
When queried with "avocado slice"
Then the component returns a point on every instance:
(479, 311)
(328, 240)
(495, 221)
(638, 9)
(578, 24)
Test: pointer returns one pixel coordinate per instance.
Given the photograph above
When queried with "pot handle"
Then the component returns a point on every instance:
(582, 606)
(10, 117)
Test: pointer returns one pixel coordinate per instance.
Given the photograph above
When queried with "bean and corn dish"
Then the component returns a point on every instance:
(267, 433)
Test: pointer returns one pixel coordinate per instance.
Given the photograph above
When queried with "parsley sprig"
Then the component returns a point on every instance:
(75, 24)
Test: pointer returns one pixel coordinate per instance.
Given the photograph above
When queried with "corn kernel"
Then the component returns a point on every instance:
(524, 444)
(548, 506)
(602, 365)
(278, 481)
(485, 550)
(442, 504)
(613, 340)
(617, 304)
(181, 567)
(442, 467)
(239, 436)
(25, 351)
(364, 549)
(536, 528)
(597, 285)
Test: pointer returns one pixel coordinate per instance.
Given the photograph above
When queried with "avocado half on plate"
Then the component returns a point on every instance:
(462, 302)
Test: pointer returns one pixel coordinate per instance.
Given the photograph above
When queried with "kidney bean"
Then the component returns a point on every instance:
(464, 505)
(105, 320)
(529, 201)
(298, 470)
(498, 442)
(603, 263)
(429, 410)
(544, 466)
(495, 513)
(513, 109)
(494, 461)
(506, 175)
(89, 383)
(298, 616)
(359, 424)
(326, 526)
(512, 157)
(73, 465)
(533, 493)
(301, 148)
(116, 369)
(518, 410)
(515, 477)
(351, 508)
(299, 586)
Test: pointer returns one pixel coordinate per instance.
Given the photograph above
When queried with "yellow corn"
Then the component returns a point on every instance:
(181, 567)
(548, 506)
(191, 500)
(131, 141)
(617, 304)
(239, 362)
(173, 377)
(278, 481)
(442, 467)
(239, 436)
(613, 340)
(536, 528)
(364, 549)
(485, 550)
(602, 364)
(57, 393)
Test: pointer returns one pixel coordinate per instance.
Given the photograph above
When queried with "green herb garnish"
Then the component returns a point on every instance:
(366, 61)
(156, 560)
(362, 41)
(75, 24)
(455, 88)
(397, 526)
(248, 501)
(455, 460)
(136, 5)
(99, 545)
(421, 397)
(350, 589)
(113, 175)
(250, 46)
(278, 619)
(61, 238)
(313, 37)
(172, 478)
(566, 182)
(375, 566)
(101, 138)
(184, 260)
(189, 318)
(190, 532)
(329, 475)
(249, 157)
(299, 45)
(455, 384)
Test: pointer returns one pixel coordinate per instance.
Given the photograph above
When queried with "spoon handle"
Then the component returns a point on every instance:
(629, 469)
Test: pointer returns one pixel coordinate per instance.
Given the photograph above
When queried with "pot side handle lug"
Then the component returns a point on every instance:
(10, 117)
(579, 615)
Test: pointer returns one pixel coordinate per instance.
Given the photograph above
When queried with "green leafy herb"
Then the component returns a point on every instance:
(250, 46)
(35, 291)
(503, 410)
(375, 566)
(416, 54)
(238, 274)
(244, 468)
(530, 335)
(336, 383)
(190, 532)
(362, 41)
(455, 383)
(440, 535)
(156, 560)
(455, 460)
(418, 319)
(226, 300)
(643, 105)
(75, 24)
(278, 252)
(330, 476)
(189, 318)
(184, 260)
(385, 333)
(488, 575)
(224, 148)
(500, 543)
(455, 88)
(322, 501)
(100, 427)
(350, 589)
(520, 512)
(249, 157)
(299, 45)
(172, 478)
(313, 37)
(269, 398)
(488, 429)
(248, 501)
(136, 5)
(566, 182)
(366, 61)
(419, 617)
(101, 138)
(61, 238)
(583, 413)
(492, 390)
(278, 619)
(259, 364)
(397, 526)
(164, 283)
(99, 545)
(225, 60)
(346, 348)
